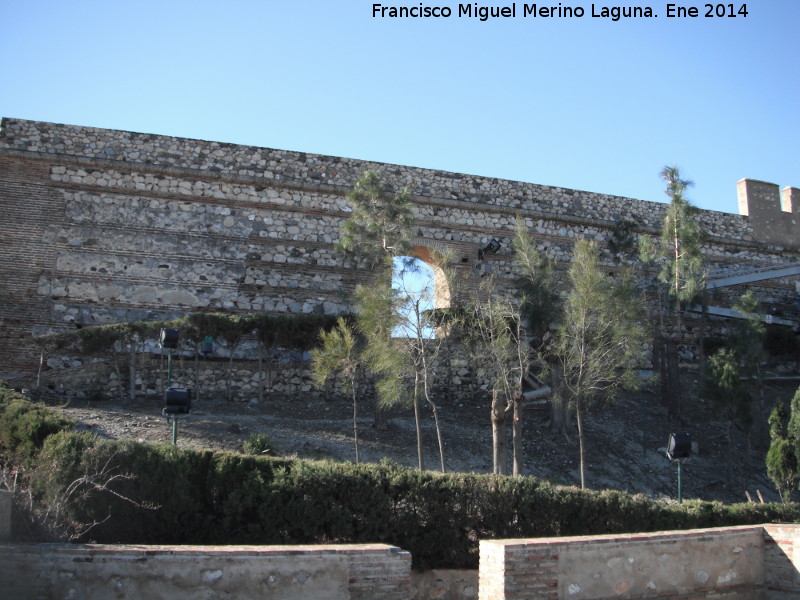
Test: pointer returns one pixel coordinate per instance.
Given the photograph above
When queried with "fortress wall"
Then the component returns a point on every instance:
(101, 226)
(774, 215)
(87, 145)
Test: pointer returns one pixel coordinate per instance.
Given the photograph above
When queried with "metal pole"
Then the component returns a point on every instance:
(169, 367)
(680, 491)
(174, 431)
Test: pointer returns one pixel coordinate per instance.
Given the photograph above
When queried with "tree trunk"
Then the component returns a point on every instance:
(260, 373)
(701, 338)
(355, 418)
(196, 375)
(118, 371)
(161, 379)
(418, 425)
(132, 372)
(579, 416)
(673, 381)
(439, 437)
(516, 429)
(39, 372)
(229, 379)
(762, 428)
(381, 421)
(729, 435)
(559, 407)
(499, 445)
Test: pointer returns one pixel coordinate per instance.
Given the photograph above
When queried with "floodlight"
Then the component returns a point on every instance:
(169, 338)
(491, 248)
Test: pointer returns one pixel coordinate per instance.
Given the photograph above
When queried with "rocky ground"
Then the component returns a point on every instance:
(625, 442)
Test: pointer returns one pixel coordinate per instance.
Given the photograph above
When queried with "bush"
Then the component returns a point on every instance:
(124, 492)
(258, 443)
(25, 425)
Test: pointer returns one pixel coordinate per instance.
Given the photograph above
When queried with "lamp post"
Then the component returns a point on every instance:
(178, 401)
(168, 340)
(679, 448)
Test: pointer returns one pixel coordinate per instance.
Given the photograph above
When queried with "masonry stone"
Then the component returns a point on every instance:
(102, 226)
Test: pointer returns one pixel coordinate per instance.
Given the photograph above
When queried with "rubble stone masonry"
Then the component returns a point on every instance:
(101, 226)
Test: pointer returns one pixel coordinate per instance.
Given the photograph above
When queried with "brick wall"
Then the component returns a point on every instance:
(354, 572)
(737, 563)
(782, 561)
(689, 565)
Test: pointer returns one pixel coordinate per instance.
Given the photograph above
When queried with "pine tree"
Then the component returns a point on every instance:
(500, 350)
(681, 272)
(681, 236)
(380, 225)
(340, 353)
(599, 343)
(782, 464)
(723, 386)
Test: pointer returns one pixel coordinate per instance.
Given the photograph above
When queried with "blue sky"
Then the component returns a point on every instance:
(584, 103)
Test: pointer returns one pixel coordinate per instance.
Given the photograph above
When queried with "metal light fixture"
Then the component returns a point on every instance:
(491, 248)
(178, 401)
(679, 448)
(169, 339)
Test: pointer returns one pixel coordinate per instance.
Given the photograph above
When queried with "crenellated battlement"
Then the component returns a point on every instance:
(773, 213)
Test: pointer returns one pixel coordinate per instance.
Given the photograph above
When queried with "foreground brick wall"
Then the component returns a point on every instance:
(355, 572)
(689, 565)
(782, 561)
(737, 563)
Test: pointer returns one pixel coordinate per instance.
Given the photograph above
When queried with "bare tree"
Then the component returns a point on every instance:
(418, 347)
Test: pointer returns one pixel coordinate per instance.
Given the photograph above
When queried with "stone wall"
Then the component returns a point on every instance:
(344, 572)
(736, 563)
(782, 561)
(687, 565)
(773, 214)
(102, 226)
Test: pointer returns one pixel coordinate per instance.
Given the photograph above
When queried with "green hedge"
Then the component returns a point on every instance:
(153, 494)
(24, 426)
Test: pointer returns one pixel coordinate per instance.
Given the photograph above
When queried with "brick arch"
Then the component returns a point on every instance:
(441, 288)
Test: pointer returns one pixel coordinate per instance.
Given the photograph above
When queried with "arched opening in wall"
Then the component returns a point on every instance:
(421, 286)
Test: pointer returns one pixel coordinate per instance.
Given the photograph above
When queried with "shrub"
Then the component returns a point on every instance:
(25, 425)
(258, 443)
(124, 492)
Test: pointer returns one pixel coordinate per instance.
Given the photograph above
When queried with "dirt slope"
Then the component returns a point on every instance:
(625, 441)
